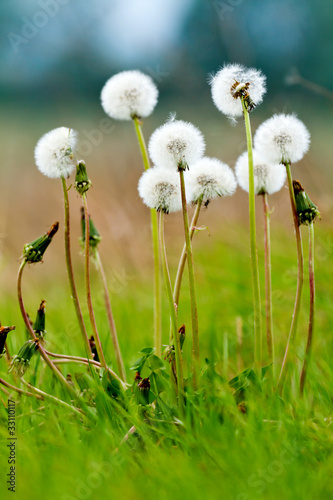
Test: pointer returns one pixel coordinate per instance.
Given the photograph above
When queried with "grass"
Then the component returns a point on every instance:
(281, 447)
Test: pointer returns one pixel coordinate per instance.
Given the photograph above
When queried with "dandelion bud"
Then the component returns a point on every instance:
(54, 152)
(39, 324)
(4, 330)
(307, 211)
(159, 189)
(282, 139)
(82, 181)
(21, 361)
(181, 332)
(94, 237)
(93, 348)
(209, 178)
(142, 392)
(268, 178)
(129, 94)
(176, 145)
(33, 252)
(235, 82)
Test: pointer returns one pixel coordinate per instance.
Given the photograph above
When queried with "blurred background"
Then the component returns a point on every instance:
(55, 58)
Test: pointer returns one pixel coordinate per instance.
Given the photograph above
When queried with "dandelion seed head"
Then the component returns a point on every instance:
(229, 81)
(209, 178)
(282, 139)
(176, 143)
(268, 177)
(159, 189)
(128, 94)
(54, 152)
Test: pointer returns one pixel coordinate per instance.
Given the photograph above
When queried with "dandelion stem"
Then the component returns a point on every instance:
(154, 229)
(71, 273)
(47, 360)
(312, 307)
(268, 280)
(298, 298)
(182, 261)
(62, 359)
(176, 339)
(88, 288)
(194, 311)
(253, 247)
(19, 391)
(45, 395)
(112, 324)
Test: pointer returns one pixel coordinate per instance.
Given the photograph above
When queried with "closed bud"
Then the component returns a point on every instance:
(21, 361)
(39, 325)
(82, 181)
(33, 252)
(94, 237)
(4, 330)
(143, 390)
(307, 211)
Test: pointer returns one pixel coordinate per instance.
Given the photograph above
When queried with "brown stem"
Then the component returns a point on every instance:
(312, 307)
(27, 323)
(112, 324)
(268, 280)
(298, 298)
(70, 272)
(19, 391)
(88, 288)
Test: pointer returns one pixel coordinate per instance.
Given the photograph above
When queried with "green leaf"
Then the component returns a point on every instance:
(155, 363)
(139, 364)
(148, 350)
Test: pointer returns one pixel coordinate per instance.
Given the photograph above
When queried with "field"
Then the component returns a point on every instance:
(278, 447)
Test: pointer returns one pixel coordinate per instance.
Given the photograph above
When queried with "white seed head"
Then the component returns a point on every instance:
(209, 178)
(268, 177)
(128, 94)
(159, 188)
(176, 144)
(282, 139)
(54, 152)
(230, 80)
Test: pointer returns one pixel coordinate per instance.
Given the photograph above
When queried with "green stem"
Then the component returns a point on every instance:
(298, 298)
(312, 307)
(112, 324)
(182, 261)
(154, 229)
(88, 288)
(47, 360)
(176, 339)
(253, 247)
(19, 391)
(194, 311)
(45, 395)
(71, 273)
(268, 281)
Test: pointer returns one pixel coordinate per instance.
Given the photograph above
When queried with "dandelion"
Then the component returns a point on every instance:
(176, 145)
(209, 178)
(54, 156)
(159, 190)
(232, 84)
(129, 94)
(282, 139)
(54, 153)
(133, 95)
(268, 178)
(237, 90)
(4, 330)
(285, 139)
